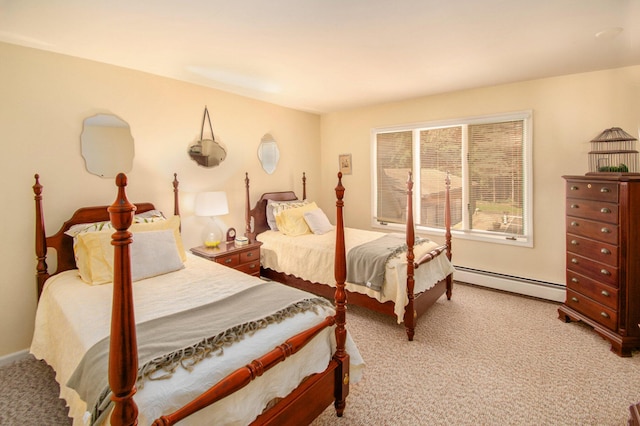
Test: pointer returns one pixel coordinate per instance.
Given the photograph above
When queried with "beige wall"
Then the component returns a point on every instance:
(45, 98)
(567, 113)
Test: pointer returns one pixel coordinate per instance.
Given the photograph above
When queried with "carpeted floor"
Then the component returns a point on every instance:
(483, 358)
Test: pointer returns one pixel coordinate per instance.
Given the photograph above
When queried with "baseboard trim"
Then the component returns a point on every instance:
(525, 286)
(11, 358)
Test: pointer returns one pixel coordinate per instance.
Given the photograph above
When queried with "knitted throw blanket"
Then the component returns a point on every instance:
(367, 263)
(185, 338)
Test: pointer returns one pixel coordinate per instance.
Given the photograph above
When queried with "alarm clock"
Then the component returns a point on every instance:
(231, 235)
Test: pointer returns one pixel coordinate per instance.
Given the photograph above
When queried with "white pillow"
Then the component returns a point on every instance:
(317, 221)
(154, 253)
(275, 207)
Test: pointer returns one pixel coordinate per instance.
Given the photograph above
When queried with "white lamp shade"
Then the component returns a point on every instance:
(211, 204)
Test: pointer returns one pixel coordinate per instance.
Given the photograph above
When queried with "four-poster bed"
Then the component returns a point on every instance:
(302, 261)
(301, 347)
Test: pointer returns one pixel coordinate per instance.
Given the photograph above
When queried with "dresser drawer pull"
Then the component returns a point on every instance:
(605, 272)
(574, 299)
(229, 260)
(574, 223)
(605, 293)
(250, 254)
(605, 230)
(574, 280)
(574, 261)
(252, 266)
(574, 242)
(605, 210)
(605, 189)
(604, 315)
(605, 251)
(574, 188)
(575, 206)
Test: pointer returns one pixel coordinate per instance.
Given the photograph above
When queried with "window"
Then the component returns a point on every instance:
(488, 161)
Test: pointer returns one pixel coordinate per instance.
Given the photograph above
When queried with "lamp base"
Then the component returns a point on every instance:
(212, 234)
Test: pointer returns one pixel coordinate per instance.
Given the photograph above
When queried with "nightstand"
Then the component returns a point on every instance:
(245, 258)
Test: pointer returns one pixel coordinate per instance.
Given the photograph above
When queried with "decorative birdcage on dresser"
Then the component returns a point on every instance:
(613, 151)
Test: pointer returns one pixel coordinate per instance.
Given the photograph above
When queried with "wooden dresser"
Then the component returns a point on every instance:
(245, 258)
(603, 256)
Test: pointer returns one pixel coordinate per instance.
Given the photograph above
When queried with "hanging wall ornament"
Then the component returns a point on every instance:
(207, 152)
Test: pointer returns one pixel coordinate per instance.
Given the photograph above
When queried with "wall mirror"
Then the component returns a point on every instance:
(107, 145)
(268, 153)
(207, 152)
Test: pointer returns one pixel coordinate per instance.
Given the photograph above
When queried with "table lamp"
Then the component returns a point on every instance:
(212, 205)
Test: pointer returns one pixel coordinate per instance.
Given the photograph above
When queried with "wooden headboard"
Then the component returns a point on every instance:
(259, 211)
(63, 243)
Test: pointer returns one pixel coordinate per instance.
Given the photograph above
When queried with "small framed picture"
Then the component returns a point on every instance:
(345, 163)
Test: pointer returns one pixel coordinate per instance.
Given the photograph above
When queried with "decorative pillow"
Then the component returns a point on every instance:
(275, 207)
(291, 221)
(317, 221)
(172, 223)
(146, 217)
(152, 253)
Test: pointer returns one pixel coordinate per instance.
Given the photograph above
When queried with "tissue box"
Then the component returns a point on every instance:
(242, 241)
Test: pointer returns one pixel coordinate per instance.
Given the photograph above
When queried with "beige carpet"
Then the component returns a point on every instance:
(483, 358)
(487, 358)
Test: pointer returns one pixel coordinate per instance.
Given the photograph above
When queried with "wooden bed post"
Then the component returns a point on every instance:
(41, 238)
(341, 303)
(176, 201)
(447, 226)
(304, 186)
(123, 349)
(410, 312)
(247, 217)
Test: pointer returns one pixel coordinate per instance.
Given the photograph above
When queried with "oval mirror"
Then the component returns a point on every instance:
(268, 153)
(107, 145)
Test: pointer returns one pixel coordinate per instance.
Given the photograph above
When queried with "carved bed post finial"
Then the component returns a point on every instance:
(41, 238)
(410, 313)
(304, 186)
(341, 300)
(247, 216)
(123, 349)
(176, 201)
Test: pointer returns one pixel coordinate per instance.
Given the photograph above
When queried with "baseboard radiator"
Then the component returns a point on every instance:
(513, 284)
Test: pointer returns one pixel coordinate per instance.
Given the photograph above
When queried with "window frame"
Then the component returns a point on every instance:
(525, 240)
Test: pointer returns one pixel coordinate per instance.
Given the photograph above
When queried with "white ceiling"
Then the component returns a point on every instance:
(328, 55)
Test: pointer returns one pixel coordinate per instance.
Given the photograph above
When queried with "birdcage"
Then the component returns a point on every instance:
(613, 150)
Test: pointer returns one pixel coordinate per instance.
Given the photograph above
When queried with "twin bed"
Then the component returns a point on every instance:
(139, 331)
(416, 274)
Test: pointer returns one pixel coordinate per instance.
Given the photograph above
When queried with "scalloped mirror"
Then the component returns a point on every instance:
(107, 145)
(268, 153)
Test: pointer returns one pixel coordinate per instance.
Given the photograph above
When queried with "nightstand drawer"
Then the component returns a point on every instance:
(251, 268)
(230, 260)
(251, 255)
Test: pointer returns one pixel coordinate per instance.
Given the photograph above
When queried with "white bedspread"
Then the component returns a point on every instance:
(311, 257)
(72, 316)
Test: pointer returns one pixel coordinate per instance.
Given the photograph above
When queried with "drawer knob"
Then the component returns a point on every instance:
(574, 188)
(605, 251)
(574, 242)
(250, 254)
(605, 189)
(605, 272)
(574, 299)
(574, 280)
(605, 293)
(228, 260)
(574, 260)
(604, 315)
(252, 266)
(605, 210)
(575, 206)
(605, 230)
(574, 223)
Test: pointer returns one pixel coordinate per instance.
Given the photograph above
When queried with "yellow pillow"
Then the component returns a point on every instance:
(291, 221)
(94, 252)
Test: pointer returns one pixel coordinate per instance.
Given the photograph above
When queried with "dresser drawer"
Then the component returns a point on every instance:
(594, 210)
(602, 191)
(599, 292)
(596, 250)
(250, 256)
(251, 268)
(230, 260)
(584, 266)
(594, 310)
(600, 231)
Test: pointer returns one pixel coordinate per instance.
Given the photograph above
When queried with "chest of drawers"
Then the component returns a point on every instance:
(603, 258)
